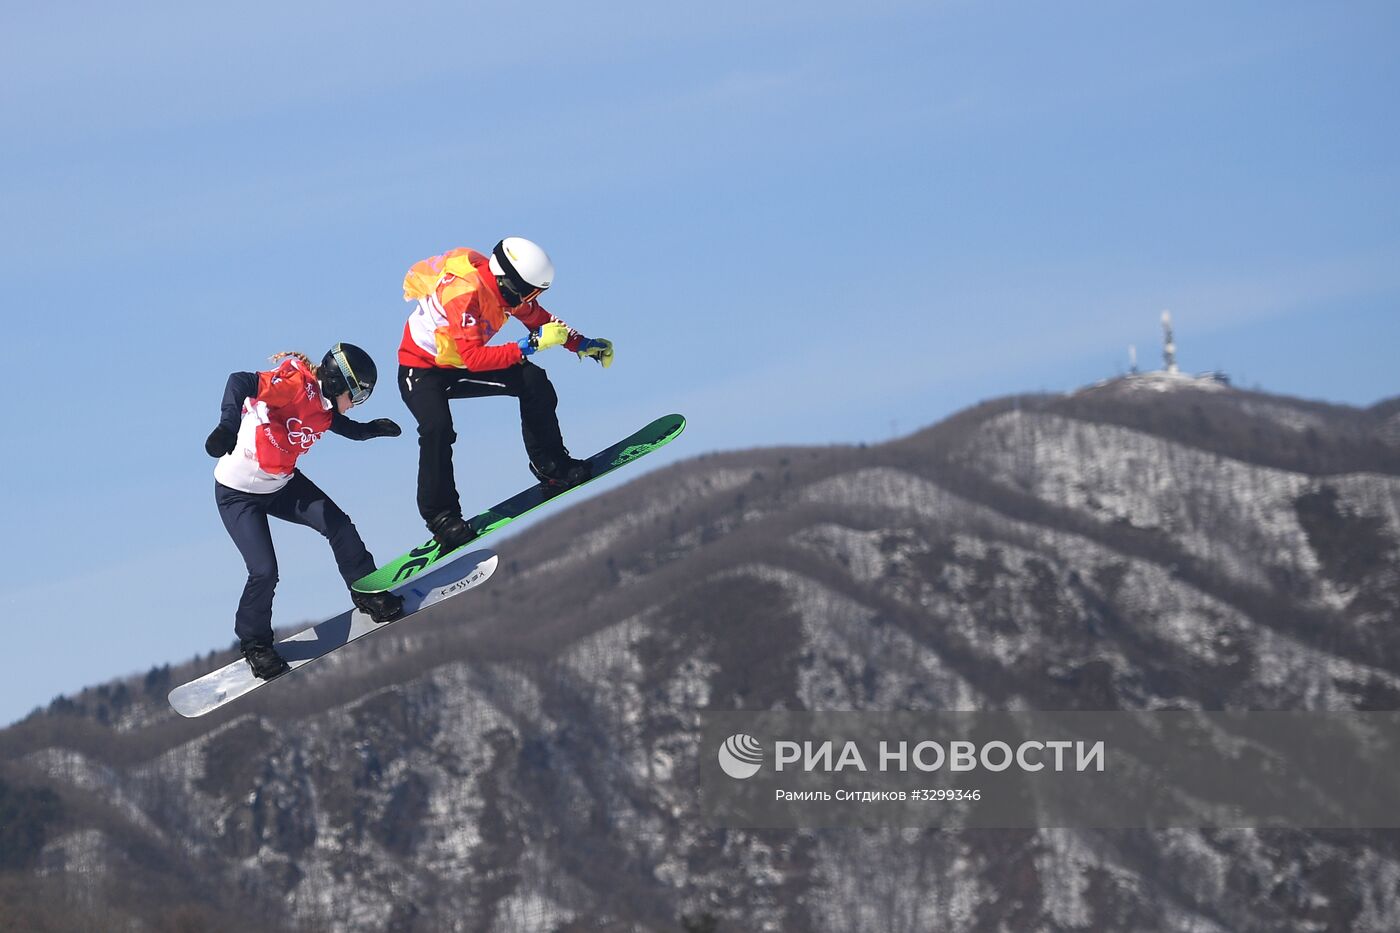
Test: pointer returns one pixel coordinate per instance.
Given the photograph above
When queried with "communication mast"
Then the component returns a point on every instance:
(1168, 344)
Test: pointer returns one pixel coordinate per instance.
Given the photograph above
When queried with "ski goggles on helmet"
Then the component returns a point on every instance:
(359, 391)
(516, 292)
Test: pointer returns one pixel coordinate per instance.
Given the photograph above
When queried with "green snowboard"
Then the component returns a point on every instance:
(657, 434)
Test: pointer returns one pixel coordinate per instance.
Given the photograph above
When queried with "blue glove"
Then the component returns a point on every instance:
(596, 349)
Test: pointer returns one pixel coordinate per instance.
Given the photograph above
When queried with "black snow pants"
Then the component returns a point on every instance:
(426, 393)
(303, 503)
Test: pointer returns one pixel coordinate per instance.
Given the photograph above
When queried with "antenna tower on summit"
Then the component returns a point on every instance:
(1168, 344)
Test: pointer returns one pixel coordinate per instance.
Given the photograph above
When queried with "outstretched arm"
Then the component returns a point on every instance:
(363, 430)
(535, 317)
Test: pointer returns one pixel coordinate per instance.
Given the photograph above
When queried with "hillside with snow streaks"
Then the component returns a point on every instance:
(1222, 510)
(525, 760)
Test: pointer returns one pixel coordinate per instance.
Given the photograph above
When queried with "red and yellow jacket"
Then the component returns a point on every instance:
(459, 310)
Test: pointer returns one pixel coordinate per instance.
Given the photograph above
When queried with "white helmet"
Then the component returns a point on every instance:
(522, 269)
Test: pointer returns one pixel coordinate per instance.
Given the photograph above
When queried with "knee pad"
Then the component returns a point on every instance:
(336, 519)
(264, 576)
(429, 436)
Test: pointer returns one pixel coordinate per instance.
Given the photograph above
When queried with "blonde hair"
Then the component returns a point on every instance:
(279, 357)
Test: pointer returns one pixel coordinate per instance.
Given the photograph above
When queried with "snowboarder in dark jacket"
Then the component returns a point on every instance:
(267, 421)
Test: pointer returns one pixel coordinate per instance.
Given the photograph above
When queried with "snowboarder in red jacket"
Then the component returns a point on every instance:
(464, 298)
(267, 421)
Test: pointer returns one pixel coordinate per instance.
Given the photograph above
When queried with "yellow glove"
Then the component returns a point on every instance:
(596, 349)
(553, 334)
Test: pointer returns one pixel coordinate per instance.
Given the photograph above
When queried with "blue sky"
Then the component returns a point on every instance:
(799, 222)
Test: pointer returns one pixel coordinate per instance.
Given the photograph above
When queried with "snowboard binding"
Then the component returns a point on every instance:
(264, 660)
(563, 474)
(381, 607)
(451, 531)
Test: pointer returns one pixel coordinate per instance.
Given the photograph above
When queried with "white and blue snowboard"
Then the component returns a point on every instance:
(232, 681)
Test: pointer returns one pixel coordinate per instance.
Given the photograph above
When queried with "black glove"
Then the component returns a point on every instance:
(383, 427)
(220, 441)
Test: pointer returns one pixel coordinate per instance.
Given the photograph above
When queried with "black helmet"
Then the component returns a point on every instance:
(347, 368)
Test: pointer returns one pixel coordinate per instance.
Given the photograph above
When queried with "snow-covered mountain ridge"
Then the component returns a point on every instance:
(523, 760)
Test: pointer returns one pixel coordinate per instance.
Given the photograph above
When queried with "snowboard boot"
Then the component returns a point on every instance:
(564, 473)
(263, 659)
(451, 531)
(381, 607)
